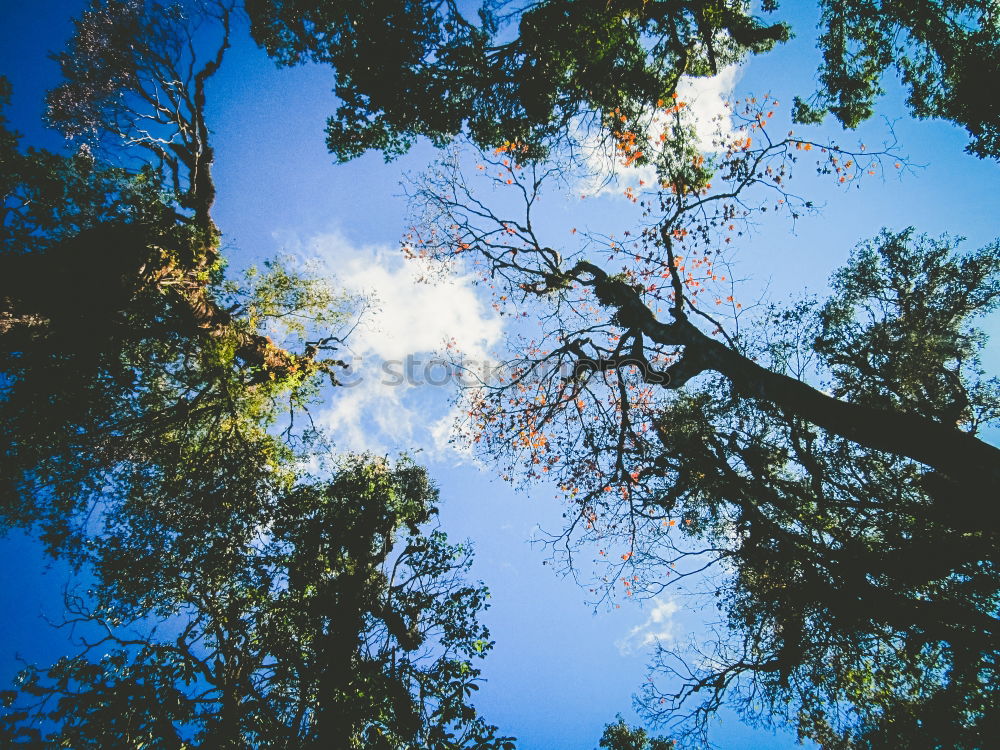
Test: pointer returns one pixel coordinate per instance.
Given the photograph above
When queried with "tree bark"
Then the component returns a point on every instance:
(970, 463)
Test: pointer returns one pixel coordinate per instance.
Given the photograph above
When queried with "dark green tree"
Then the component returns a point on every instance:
(151, 407)
(126, 355)
(340, 624)
(619, 736)
(531, 73)
(499, 73)
(943, 51)
(859, 609)
(854, 553)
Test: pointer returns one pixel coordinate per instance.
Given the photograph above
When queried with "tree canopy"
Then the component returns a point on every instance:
(619, 736)
(151, 404)
(127, 355)
(434, 69)
(839, 619)
(533, 73)
(324, 629)
(824, 461)
(811, 459)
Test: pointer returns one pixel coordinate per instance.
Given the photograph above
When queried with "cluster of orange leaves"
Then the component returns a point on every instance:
(511, 147)
(626, 142)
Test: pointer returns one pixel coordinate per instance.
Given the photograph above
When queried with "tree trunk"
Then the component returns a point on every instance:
(973, 465)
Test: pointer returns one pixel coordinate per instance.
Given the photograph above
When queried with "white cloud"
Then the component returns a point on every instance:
(445, 433)
(400, 396)
(659, 627)
(413, 310)
(706, 104)
(370, 416)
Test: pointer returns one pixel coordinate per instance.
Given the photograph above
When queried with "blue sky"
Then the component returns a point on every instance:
(560, 670)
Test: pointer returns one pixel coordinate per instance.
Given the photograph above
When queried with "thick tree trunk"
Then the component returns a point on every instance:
(84, 286)
(970, 463)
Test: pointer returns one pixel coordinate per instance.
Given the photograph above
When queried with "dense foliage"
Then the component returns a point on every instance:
(158, 421)
(408, 69)
(127, 358)
(322, 628)
(536, 72)
(943, 51)
(862, 603)
(810, 458)
(823, 462)
(620, 736)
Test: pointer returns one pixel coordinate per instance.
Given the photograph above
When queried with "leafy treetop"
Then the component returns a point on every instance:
(534, 73)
